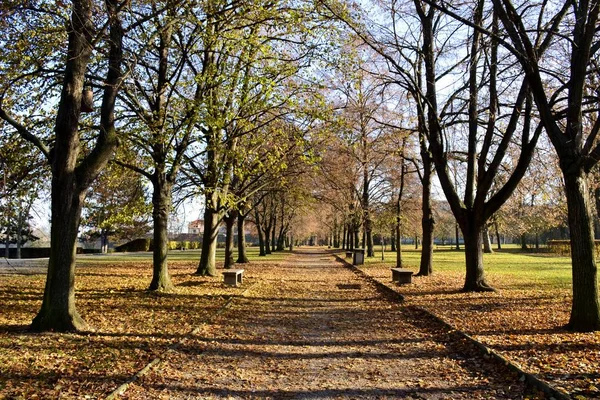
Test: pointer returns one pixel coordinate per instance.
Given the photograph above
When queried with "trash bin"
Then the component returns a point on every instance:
(358, 257)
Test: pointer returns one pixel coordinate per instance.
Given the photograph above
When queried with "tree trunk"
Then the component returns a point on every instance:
(261, 244)
(487, 244)
(369, 240)
(267, 233)
(344, 237)
(523, 238)
(104, 241)
(241, 228)
(58, 312)
(161, 206)
(475, 278)
(497, 235)
(393, 240)
(273, 240)
(291, 242)
(207, 265)
(281, 238)
(427, 220)
(261, 238)
(585, 311)
(398, 243)
(229, 226)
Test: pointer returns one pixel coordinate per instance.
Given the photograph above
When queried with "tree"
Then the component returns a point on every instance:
(250, 70)
(473, 110)
(161, 119)
(566, 98)
(73, 166)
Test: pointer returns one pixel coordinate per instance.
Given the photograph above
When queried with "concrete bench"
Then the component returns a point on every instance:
(401, 275)
(233, 276)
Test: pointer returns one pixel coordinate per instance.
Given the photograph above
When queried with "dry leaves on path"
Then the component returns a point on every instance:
(313, 329)
(523, 320)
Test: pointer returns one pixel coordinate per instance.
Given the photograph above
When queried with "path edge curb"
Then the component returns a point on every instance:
(123, 387)
(530, 379)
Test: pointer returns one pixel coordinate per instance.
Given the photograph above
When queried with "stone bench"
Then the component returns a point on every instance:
(233, 276)
(401, 275)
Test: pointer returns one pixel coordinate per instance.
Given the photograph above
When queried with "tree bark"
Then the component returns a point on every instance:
(261, 238)
(58, 311)
(241, 228)
(207, 265)
(427, 220)
(161, 206)
(267, 236)
(104, 241)
(475, 277)
(456, 237)
(585, 310)
(273, 240)
(497, 235)
(487, 244)
(369, 240)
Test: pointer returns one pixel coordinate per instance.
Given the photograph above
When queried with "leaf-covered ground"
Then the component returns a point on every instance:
(524, 320)
(131, 328)
(304, 327)
(312, 329)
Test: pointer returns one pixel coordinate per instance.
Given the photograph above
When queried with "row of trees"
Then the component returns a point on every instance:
(233, 101)
(484, 81)
(205, 98)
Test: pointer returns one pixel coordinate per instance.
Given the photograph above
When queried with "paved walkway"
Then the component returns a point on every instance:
(313, 329)
(29, 266)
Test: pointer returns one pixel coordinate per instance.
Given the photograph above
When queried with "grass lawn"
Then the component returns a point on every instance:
(527, 267)
(524, 319)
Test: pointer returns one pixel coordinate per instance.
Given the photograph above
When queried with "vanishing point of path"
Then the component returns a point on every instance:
(310, 328)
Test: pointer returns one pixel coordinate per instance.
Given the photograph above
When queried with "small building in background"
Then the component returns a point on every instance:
(196, 227)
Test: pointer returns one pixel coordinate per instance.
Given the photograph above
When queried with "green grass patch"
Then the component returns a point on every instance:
(528, 267)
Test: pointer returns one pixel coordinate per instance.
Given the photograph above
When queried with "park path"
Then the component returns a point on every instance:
(310, 328)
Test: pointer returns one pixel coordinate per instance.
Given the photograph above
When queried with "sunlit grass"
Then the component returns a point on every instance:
(530, 267)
